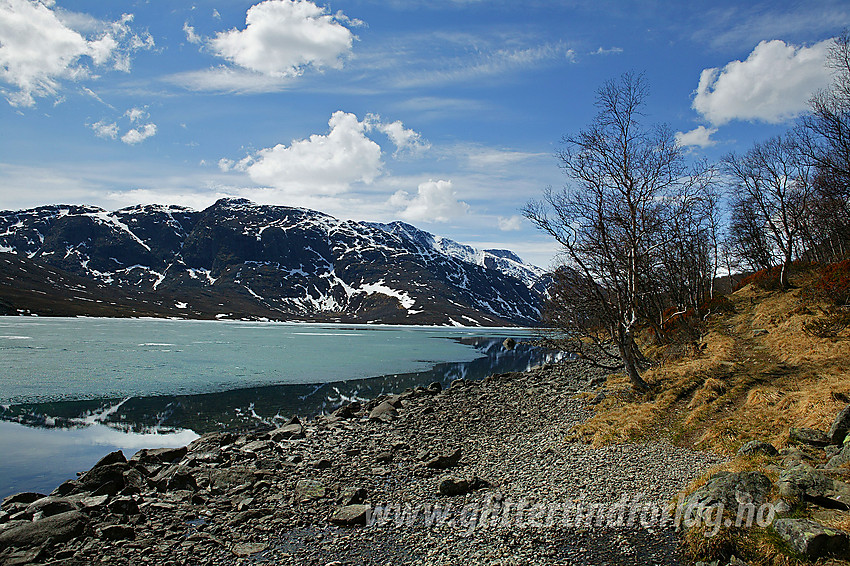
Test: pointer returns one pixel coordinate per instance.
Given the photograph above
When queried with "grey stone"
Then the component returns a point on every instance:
(309, 490)
(509, 344)
(804, 483)
(348, 411)
(840, 426)
(244, 549)
(117, 532)
(452, 486)
(812, 539)
(60, 528)
(808, 436)
(352, 496)
(51, 505)
(384, 409)
(758, 447)
(444, 461)
(731, 490)
(123, 506)
(287, 432)
(841, 458)
(20, 499)
(159, 455)
(350, 515)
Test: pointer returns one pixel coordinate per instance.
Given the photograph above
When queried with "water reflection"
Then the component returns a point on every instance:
(270, 405)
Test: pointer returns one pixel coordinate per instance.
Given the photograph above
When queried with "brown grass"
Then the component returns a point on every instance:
(739, 385)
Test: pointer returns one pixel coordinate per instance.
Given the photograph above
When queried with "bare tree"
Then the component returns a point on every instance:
(626, 184)
(747, 238)
(775, 179)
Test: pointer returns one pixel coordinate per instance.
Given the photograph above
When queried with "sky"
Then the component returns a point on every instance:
(443, 113)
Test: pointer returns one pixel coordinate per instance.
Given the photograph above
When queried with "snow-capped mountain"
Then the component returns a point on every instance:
(238, 259)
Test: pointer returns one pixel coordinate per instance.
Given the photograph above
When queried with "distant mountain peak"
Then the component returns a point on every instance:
(239, 259)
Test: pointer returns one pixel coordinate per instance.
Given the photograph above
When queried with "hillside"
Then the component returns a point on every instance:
(766, 386)
(237, 259)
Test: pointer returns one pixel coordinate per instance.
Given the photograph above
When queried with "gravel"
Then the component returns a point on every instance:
(258, 500)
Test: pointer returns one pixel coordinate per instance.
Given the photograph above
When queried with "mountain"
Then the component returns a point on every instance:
(237, 259)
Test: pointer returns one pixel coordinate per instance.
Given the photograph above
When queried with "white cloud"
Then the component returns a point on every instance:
(139, 134)
(321, 164)
(698, 137)
(435, 201)
(191, 36)
(282, 37)
(404, 139)
(106, 130)
(609, 51)
(774, 84)
(510, 224)
(229, 80)
(38, 49)
(136, 114)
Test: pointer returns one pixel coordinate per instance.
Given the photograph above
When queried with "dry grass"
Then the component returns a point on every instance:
(740, 385)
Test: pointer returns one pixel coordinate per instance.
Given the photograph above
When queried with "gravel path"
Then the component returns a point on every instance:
(266, 497)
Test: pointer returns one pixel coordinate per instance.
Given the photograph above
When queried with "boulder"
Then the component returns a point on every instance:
(840, 426)
(352, 496)
(288, 431)
(452, 486)
(108, 478)
(116, 457)
(309, 490)
(123, 506)
(350, 515)
(51, 505)
(20, 500)
(117, 532)
(509, 344)
(841, 458)
(159, 455)
(757, 447)
(348, 411)
(812, 539)
(444, 461)
(59, 528)
(731, 489)
(434, 387)
(808, 436)
(385, 409)
(804, 483)
(245, 549)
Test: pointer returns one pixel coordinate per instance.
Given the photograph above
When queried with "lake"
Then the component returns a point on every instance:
(72, 389)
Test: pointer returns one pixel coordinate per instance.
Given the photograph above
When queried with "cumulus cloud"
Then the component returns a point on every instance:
(510, 224)
(191, 36)
(698, 137)
(38, 49)
(106, 130)
(321, 164)
(282, 37)
(139, 134)
(404, 139)
(435, 201)
(772, 85)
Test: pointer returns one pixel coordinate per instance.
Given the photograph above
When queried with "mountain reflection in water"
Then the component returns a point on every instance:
(267, 405)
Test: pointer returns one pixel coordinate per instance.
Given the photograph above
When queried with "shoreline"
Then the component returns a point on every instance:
(299, 494)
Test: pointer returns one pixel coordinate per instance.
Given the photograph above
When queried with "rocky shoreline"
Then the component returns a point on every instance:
(415, 478)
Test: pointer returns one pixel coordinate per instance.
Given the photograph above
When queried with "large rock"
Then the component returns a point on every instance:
(731, 490)
(385, 409)
(757, 447)
(842, 458)
(350, 515)
(808, 436)
(60, 528)
(444, 461)
(20, 500)
(51, 505)
(804, 483)
(840, 426)
(812, 539)
(159, 455)
(108, 478)
(293, 429)
(452, 486)
(309, 490)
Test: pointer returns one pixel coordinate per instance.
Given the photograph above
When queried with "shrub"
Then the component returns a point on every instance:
(834, 283)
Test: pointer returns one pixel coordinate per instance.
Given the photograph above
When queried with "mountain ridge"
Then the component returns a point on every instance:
(273, 262)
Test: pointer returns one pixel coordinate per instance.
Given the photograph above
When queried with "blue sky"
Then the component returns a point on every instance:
(442, 113)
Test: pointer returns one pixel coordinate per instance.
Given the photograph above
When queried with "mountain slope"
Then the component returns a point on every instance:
(239, 259)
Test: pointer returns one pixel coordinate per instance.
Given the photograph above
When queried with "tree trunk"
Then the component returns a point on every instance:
(786, 266)
(626, 345)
